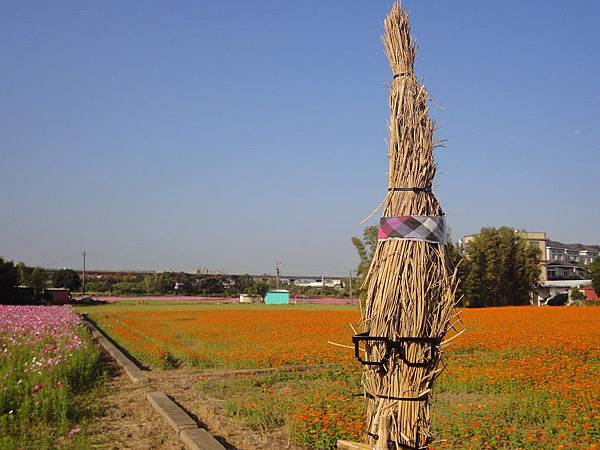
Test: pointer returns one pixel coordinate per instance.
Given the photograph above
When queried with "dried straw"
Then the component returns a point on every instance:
(410, 285)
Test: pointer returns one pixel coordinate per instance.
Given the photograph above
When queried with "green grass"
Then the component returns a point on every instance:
(314, 408)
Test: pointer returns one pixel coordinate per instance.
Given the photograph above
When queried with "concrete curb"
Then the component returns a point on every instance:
(193, 437)
(136, 374)
(199, 439)
(349, 445)
(168, 409)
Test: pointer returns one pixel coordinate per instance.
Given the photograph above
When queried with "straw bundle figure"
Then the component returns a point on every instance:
(410, 285)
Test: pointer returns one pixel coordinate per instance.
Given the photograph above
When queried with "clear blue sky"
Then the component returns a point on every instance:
(226, 134)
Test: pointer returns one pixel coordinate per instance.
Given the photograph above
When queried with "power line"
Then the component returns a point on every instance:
(52, 263)
(315, 269)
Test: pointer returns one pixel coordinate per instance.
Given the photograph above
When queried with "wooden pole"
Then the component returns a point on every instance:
(83, 283)
(350, 282)
(350, 445)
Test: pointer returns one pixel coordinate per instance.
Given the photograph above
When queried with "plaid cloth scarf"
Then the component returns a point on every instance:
(413, 228)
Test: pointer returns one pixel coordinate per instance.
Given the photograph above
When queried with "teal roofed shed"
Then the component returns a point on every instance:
(277, 297)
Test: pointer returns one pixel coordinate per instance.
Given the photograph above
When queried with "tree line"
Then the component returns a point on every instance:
(160, 283)
(36, 278)
(182, 283)
(176, 283)
(497, 267)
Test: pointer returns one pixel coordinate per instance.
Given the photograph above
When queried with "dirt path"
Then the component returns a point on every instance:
(126, 420)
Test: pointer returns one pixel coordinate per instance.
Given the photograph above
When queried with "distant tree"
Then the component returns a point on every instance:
(66, 278)
(501, 268)
(24, 273)
(38, 279)
(187, 283)
(211, 286)
(457, 263)
(9, 278)
(242, 284)
(594, 269)
(365, 248)
(128, 288)
(158, 283)
(577, 296)
(99, 285)
(257, 289)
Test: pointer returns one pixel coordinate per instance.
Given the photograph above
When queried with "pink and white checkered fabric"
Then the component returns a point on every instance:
(414, 228)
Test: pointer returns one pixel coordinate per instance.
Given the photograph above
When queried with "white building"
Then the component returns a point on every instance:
(567, 261)
(319, 283)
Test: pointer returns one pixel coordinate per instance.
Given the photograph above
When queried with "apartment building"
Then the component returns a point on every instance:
(567, 261)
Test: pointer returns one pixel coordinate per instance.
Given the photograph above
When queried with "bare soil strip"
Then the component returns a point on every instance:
(223, 373)
(127, 421)
(210, 413)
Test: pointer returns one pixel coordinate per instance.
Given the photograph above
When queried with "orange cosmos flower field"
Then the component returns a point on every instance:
(518, 377)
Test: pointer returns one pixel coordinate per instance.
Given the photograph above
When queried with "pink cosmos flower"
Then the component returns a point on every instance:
(73, 432)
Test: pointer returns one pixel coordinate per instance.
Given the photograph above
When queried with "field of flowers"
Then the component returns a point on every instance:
(519, 377)
(47, 362)
(228, 336)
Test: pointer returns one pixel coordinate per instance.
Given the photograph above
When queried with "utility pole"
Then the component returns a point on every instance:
(277, 274)
(83, 284)
(350, 283)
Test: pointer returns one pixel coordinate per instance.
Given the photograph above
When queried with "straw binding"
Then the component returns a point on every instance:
(409, 189)
(392, 445)
(420, 398)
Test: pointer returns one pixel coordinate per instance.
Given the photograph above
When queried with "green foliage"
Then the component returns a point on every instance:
(258, 417)
(456, 262)
(38, 279)
(66, 278)
(169, 361)
(500, 269)
(313, 408)
(8, 280)
(24, 274)
(577, 296)
(99, 284)
(211, 286)
(257, 289)
(594, 269)
(158, 283)
(117, 285)
(33, 277)
(304, 291)
(241, 284)
(365, 248)
(128, 288)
